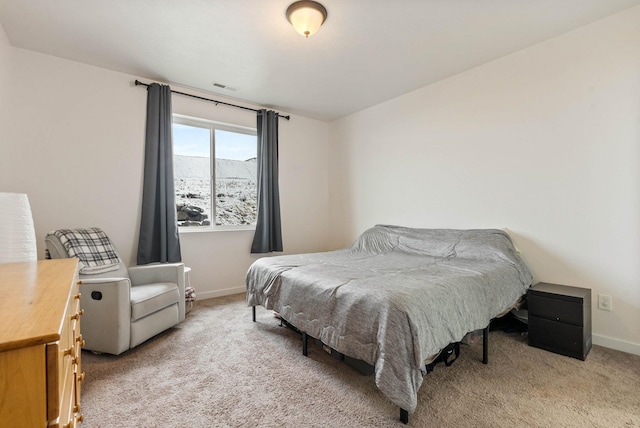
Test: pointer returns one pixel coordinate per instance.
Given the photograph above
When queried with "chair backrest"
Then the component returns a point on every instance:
(57, 251)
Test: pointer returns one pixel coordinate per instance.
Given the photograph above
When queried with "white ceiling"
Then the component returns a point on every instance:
(368, 51)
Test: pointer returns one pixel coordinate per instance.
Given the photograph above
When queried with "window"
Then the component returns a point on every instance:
(224, 189)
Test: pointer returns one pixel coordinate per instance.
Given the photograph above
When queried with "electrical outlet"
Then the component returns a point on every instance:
(604, 302)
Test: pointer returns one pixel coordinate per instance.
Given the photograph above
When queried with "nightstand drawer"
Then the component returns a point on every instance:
(564, 339)
(556, 309)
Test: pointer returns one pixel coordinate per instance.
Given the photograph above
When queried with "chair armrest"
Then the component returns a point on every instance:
(164, 272)
(107, 317)
(149, 274)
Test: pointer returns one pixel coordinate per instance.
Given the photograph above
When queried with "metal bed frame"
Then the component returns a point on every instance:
(453, 348)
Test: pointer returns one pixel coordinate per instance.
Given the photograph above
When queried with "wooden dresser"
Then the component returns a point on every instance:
(40, 341)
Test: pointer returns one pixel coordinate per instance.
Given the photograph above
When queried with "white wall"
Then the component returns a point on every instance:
(75, 145)
(5, 82)
(545, 142)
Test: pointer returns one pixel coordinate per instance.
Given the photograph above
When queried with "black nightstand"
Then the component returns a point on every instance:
(560, 319)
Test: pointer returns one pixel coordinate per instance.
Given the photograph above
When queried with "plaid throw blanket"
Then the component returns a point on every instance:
(92, 246)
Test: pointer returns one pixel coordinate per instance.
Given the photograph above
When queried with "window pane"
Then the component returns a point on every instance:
(192, 174)
(236, 178)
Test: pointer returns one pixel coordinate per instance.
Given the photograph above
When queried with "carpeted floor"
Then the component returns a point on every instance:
(219, 369)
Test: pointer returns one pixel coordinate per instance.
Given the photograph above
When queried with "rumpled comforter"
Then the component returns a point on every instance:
(395, 297)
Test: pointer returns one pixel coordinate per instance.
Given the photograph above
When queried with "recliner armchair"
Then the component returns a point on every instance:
(127, 306)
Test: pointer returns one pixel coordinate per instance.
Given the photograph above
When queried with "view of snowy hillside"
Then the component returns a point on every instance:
(236, 191)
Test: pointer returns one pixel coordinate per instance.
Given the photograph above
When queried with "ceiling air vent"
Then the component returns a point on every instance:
(221, 86)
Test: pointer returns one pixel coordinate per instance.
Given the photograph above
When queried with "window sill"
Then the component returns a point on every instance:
(202, 229)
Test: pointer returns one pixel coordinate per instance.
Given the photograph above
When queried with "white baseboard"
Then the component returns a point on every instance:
(617, 344)
(219, 293)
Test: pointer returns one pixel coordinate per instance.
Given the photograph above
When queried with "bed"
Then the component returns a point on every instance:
(396, 297)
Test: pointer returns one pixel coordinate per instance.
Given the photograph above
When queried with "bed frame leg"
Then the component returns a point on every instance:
(485, 345)
(404, 416)
(304, 344)
(253, 308)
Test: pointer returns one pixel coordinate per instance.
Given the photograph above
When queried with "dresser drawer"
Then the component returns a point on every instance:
(23, 372)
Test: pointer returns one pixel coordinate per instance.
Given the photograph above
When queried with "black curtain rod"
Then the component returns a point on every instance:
(139, 83)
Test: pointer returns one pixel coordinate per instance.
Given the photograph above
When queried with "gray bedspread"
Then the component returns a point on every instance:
(396, 297)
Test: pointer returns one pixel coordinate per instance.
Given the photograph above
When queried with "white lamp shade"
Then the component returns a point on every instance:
(17, 234)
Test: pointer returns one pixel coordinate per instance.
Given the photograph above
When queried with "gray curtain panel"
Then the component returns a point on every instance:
(268, 235)
(159, 240)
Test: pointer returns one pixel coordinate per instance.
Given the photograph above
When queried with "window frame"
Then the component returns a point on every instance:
(213, 125)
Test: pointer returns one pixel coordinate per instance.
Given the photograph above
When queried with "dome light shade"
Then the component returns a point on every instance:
(306, 16)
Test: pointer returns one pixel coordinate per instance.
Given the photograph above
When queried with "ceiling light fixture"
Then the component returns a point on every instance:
(306, 16)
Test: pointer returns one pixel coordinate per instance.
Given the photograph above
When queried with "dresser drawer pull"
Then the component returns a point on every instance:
(67, 352)
(77, 316)
(80, 418)
(80, 341)
(76, 408)
(77, 296)
(81, 377)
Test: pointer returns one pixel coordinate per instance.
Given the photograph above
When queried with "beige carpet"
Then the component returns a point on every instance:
(219, 369)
